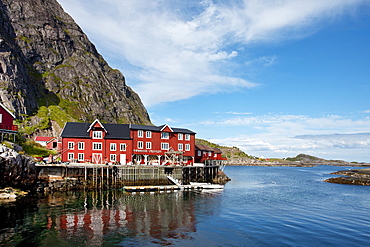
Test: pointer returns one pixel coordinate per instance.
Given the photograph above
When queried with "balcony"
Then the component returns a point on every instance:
(9, 127)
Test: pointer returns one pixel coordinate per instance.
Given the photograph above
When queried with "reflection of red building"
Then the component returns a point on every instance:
(160, 216)
(127, 144)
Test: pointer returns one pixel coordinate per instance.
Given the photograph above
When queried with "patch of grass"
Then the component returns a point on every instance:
(34, 149)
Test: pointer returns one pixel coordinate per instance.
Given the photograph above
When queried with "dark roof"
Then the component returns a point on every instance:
(203, 147)
(114, 131)
(158, 128)
(76, 130)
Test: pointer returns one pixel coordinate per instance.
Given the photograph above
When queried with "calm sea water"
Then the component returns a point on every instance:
(261, 206)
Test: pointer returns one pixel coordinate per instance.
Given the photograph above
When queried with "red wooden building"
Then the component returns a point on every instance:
(207, 155)
(6, 123)
(127, 144)
(6, 119)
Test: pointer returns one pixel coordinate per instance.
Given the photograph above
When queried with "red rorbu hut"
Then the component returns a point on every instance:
(6, 122)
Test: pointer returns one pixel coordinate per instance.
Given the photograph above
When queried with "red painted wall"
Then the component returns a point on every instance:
(6, 120)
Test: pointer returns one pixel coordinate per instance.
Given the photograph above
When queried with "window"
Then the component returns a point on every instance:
(148, 134)
(180, 146)
(165, 146)
(122, 147)
(113, 158)
(1, 118)
(140, 145)
(148, 145)
(180, 136)
(70, 156)
(209, 153)
(81, 157)
(71, 145)
(97, 135)
(199, 153)
(187, 147)
(165, 135)
(97, 146)
(112, 147)
(140, 133)
(187, 137)
(81, 146)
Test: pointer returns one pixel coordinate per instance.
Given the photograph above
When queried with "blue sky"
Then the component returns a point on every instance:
(274, 78)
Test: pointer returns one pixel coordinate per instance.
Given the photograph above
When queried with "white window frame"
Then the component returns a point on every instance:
(97, 134)
(122, 147)
(187, 137)
(1, 118)
(187, 147)
(199, 153)
(81, 146)
(165, 135)
(80, 156)
(113, 158)
(140, 145)
(140, 133)
(165, 146)
(180, 137)
(148, 145)
(148, 134)
(97, 146)
(71, 156)
(180, 146)
(71, 145)
(113, 147)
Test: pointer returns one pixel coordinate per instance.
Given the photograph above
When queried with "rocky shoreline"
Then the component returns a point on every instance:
(354, 177)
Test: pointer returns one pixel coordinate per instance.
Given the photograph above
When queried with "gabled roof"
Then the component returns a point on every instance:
(80, 130)
(159, 128)
(6, 109)
(43, 138)
(113, 131)
(93, 124)
(204, 148)
(163, 127)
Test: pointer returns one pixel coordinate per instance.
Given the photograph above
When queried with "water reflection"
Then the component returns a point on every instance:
(104, 218)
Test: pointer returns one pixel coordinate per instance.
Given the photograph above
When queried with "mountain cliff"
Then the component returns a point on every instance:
(49, 70)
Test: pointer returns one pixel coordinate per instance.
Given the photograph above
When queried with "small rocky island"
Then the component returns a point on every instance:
(355, 177)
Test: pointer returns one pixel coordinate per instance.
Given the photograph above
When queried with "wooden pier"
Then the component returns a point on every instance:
(130, 178)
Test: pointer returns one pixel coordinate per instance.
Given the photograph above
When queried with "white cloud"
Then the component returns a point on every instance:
(331, 137)
(179, 49)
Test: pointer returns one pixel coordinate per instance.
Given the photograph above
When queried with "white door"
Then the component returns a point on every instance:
(122, 159)
(97, 158)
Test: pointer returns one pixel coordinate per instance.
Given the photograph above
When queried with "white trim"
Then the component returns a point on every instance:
(165, 137)
(6, 109)
(99, 146)
(140, 145)
(82, 145)
(71, 145)
(92, 125)
(82, 158)
(122, 147)
(166, 125)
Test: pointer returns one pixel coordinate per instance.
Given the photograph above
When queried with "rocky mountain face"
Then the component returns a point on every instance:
(48, 64)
